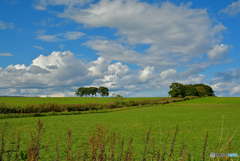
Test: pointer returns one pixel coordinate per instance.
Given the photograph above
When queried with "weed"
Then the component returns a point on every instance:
(18, 145)
(3, 142)
(204, 147)
(57, 150)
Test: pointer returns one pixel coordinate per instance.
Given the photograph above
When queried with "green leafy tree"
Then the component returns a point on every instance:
(93, 91)
(180, 90)
(103, 91)
(201, 91)
(177, 90)
(77, 93)
(191, 90)
(81, 91)
(87, 92)
(206, 91)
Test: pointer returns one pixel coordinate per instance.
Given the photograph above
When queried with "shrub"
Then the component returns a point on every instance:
(131, 103)
(118, 99)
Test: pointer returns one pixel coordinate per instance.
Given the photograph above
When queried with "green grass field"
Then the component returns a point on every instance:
(22, 101)
(212, 101)
(194, 122)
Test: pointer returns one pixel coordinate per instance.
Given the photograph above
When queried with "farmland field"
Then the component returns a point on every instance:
(194, 122)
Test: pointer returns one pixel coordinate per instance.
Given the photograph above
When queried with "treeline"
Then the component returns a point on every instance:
(180, 90)
(84, 91)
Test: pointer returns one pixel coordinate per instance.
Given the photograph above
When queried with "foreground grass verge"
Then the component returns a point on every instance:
(103, 146)
(193, 124)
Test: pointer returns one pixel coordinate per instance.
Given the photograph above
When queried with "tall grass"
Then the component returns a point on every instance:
(101, 146)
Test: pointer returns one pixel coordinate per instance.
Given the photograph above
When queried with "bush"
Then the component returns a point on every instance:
(131, 103)
(118, 99)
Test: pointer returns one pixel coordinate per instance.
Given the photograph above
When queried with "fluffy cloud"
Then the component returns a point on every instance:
(115, 51)
(227, 83)
(146, 74)
(61, 73)
(99, 66)
(115, 77)
(218, 51)
(57, 69)
(168, 73)
(118, 69)
(174, 35)
(226, 88)
(168, 28)
(232, 9)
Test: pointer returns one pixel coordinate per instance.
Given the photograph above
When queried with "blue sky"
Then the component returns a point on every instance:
(135, 48)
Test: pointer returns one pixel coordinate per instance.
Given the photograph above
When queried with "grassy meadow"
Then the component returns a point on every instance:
(211, 101)
(194, 119)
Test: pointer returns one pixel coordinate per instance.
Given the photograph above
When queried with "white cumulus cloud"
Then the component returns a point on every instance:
(146, 74)
(168, 28)
(167, 73)
(218, 51)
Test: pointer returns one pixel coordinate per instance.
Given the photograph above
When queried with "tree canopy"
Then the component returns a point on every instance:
(103, 91)
(180, 90)
(177, 90)
(87, 91)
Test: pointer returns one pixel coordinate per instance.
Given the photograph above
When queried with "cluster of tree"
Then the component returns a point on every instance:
(180, 90)
(84, 91)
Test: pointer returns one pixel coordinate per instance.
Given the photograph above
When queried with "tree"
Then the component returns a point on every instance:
(207, 90)
(177, 90)
(191, 90)
(93, 91)
(103, 91)
(86, 92)
(180, 90)
(81, 91)
(77, 93)
(201, 91)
